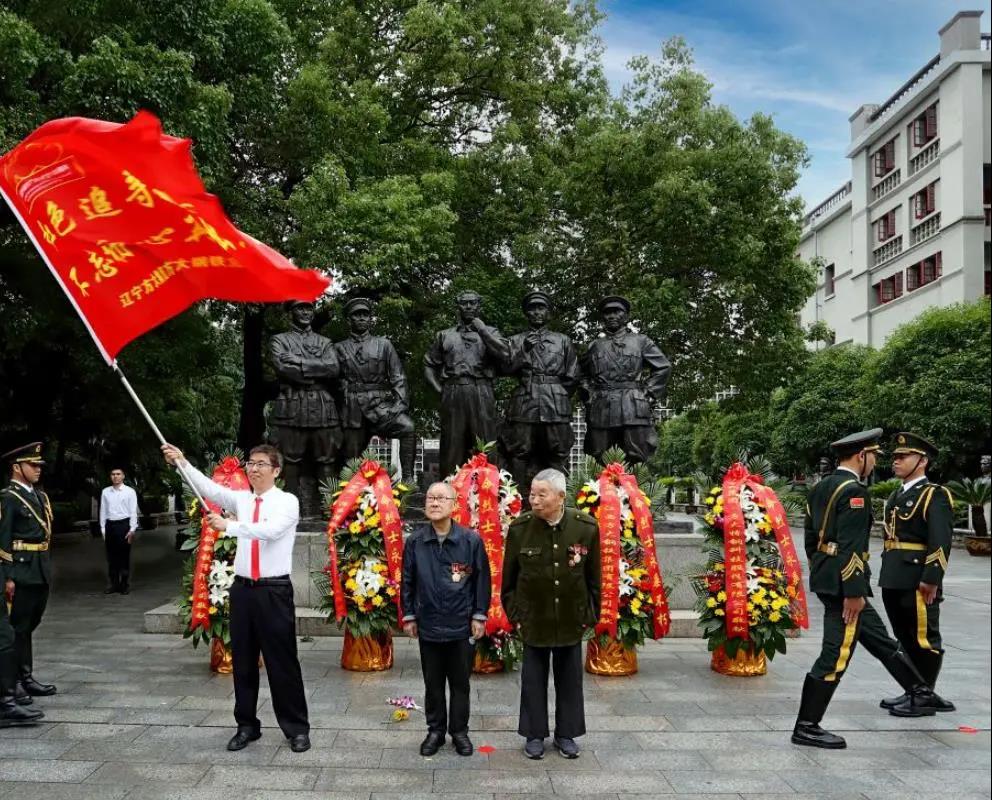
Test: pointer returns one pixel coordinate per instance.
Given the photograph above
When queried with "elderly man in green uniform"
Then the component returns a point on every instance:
(26, 524)
(919, 524)
(838, 527)
(551, 591)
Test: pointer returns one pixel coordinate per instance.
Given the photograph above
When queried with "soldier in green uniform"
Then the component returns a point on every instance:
(838, 526)
(919, 523)
(26, 524)
(551, 591)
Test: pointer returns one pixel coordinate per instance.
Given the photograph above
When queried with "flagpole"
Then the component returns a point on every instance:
(148, 418)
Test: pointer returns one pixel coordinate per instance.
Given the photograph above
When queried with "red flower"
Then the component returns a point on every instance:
(515, 506)
(714, 583)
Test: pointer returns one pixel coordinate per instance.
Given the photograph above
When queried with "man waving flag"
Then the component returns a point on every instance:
(124, 223)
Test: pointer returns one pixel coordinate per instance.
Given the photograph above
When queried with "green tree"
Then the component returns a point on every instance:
(674, 455)
(932, 378)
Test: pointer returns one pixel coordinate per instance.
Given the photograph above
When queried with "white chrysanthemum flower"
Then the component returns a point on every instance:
(368, 580)
(626, 581)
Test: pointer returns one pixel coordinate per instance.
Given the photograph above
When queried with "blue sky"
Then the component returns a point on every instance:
(808, 64)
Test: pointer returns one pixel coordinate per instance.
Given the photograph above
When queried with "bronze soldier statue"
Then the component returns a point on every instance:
(376, 397)
(304, 422)
(538, 431)
(460, 365)
(618, 401)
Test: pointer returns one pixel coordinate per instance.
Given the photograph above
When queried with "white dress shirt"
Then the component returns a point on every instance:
(275, 530)
(907, 486)
(118, 502)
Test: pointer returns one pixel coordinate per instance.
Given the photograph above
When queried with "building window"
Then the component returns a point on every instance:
(925, 127)
(828, 280)
(925, 201)
(886, 226)
(885, 158)
(923, 272)
(889, 289)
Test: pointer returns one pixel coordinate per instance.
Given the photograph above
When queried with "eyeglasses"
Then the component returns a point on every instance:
(256, 464)
(439, 498)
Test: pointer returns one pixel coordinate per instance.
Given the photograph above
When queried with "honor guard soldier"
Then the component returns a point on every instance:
(919, 523)
(838, 527)
(26, 526)
(550, 589)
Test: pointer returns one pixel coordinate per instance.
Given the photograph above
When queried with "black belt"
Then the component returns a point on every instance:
(369, 387)
(277, 580)
(466, 380)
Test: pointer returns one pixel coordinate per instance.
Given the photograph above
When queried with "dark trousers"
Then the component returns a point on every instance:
(118, 552)
(570, 715)
(468, 414)
(531, 447)
(8, 652)
(917, 627)
(447, 664)
(638, 442)
(30, 601)
(841, 639)
(263, 620)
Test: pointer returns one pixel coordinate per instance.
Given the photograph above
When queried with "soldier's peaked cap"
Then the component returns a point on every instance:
(357, 303)
(856, 442)
(535, 297)
(913, 443)
(28, 453)
(614, 300)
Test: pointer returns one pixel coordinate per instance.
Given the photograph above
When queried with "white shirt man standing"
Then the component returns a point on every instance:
(118, 522)
(263, 617)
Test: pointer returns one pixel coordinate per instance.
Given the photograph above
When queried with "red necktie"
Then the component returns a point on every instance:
(256, 570)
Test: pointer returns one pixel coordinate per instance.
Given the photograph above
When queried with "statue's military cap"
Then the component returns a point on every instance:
(614, 300)
(535, 297)
(356, 304)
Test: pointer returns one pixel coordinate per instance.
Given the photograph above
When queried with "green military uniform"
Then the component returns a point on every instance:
(26, 533)
(551, 591)
(837, 530)
(919, 524)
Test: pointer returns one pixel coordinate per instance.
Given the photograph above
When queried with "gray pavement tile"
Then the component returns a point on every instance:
(162, 792)
(769, 758)
(956, 758)
(138, 774)
(31, 748)
(929, 780)
(431, 796)
(977, 741)
(445, 758)
(234, 778)
(552, 761)
(376, 780)
(706, 722)
(69, 714)
(326, 756)
(839, 780)
(121, 700)
(145, 716)
(109, 750)
(640, 782)
(867, 758)
(257, 754)
(900, 794)
(598, 796)
(630, 760)
(43, 770)
(497, 781)
(710, 782)
(60, 791)
(74, 730)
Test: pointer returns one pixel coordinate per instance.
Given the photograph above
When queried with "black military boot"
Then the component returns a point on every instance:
(35, 689)
(21, 697)
(919, 698)
(929, 670)
(13, 715)
(816, 698)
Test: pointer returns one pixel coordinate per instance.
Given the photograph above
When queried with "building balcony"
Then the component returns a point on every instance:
(927, 228)
(887, 251)
(886, 185)
(926, 156)
(828, 205)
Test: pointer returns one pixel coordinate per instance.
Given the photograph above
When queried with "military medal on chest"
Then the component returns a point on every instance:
(460, 571)
(575, 553)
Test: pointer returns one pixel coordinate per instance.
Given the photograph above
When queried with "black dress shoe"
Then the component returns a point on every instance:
(812, 735)
(21, 697)
(943, 706)
(13, 715)
(892, 702)
(126, 590)
(110, 590)
(35, 689)
(432, 743)
(463, 745)
(241, 739)
(299, 743)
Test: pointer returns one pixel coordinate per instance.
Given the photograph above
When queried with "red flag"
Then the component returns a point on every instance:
(124, 223)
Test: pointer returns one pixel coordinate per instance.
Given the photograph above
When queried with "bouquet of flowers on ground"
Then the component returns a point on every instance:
(487, 500)
(209, 571)
(634, 603)
(361, 583)
(750, 593)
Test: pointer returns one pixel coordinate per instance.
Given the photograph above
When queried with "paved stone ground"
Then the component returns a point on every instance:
(141, 716)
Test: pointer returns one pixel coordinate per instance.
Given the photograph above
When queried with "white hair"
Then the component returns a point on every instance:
(554, 477)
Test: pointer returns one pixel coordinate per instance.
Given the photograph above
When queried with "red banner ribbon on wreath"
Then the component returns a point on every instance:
(371, 473)
(485, 476)
(609, 549)
(787, 549)
(645, 530)
(228, 473)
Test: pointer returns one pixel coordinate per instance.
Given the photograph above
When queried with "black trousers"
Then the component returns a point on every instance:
(917, 627)
(570, 715)
(638, 442)
(263, 620)
(468, 414)
(30, 601)
(118, 552)
(8, 652)
(531, 447)
(840, 639)
(447, 664)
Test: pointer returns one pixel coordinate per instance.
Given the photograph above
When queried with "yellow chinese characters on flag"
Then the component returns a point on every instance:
(121, 217)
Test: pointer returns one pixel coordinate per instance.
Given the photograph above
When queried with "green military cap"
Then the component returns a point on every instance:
(534, 297)
(907, 443)
(357, 304)
(614, 300)
(856, 442)
(26, 454)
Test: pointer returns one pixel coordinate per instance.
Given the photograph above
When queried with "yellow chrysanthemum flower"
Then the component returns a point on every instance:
(719, 612)
(377, 600)
(721, 595)
(774, 616)
(710, 602)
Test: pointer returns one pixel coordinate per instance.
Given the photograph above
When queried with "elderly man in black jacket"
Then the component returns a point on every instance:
(446, 591)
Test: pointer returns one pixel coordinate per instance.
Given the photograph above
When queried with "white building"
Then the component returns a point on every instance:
(911, 229)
